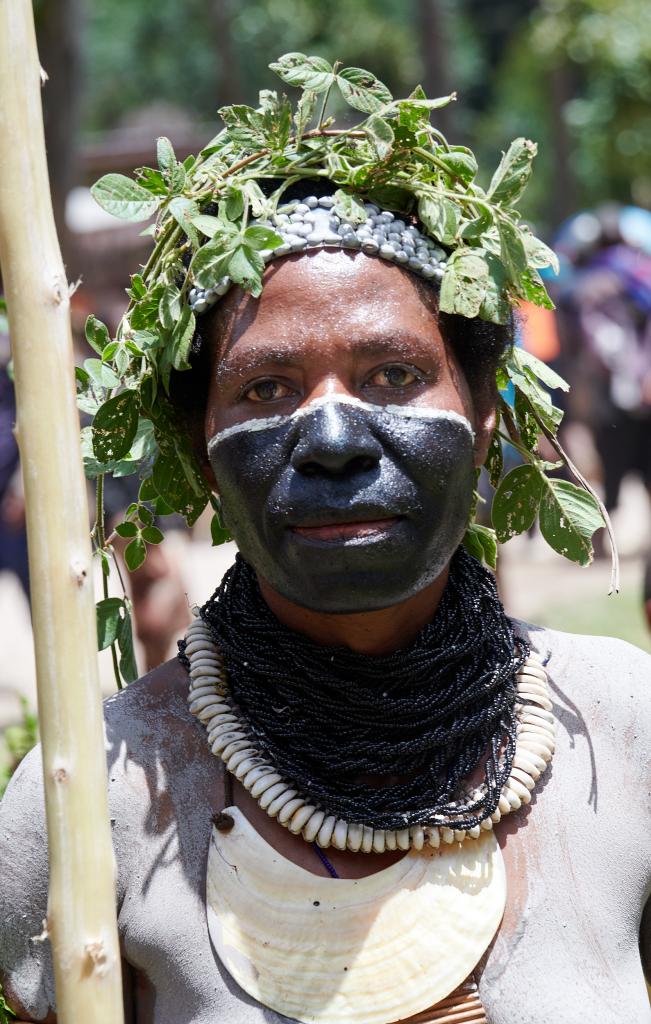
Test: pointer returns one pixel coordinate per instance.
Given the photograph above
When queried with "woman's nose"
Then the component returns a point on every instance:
(335, 440)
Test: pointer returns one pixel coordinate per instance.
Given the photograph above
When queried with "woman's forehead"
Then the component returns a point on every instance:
(329, 294)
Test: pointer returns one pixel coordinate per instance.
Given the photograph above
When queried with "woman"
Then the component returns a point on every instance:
(334, 849)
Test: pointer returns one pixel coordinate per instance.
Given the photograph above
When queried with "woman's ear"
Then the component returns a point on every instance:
(485, 420)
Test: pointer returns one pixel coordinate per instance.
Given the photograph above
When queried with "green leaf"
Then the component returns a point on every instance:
(209, 226)
(144, 515)
(277, 119)
(184, 211)
(516, 502)
(495, 460)
(512, 251)
(234, 204)
(568, 518)
(173, 172)
(481, 543)
(169, 307)
(135, 553)
(440, 216)
(525, 380)
(101, 374)
(496, 306)
(418, 96)
(210, 263)
(97, 334)
(108, 621)
(464, 284)
(124, 198)
(527, 361)
(477, 227)
(182, 336)
(460, 163)
(245, 126)
(245, 267)
(533, 290)
(540, 255)
(114, 427)
(126, 530)
(151, 180)
(218, 533)
(138, 288)
(362, 90)
(259, 237)
(128, 666)
(350, 207)
(304, 112)
(380, 135)
(513, 173)
(170, 478)
(144, 314)
(313, 73)
(152, 535)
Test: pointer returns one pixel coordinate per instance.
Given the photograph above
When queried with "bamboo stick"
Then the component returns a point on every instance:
(81, 908)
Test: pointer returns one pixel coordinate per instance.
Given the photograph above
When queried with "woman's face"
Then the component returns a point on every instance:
(341, 432)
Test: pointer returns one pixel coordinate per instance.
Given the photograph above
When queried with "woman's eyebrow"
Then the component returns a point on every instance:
(249, 360)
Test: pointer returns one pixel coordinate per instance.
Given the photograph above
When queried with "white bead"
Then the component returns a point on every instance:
(379, 840)
(503, 804)
(535, 713)
(434, 837)
(417, 836)
(447, 835)
(240, 755)
(520, 761)
(313, 825)
(246, 764)
(224, 741)
(459, 835)
(256, 773)
(276, 803)
(391, 839)
(324, 834)
(517, 787)
(354, 837)
(300, 817)
(527, 742)
(263, 783)
(289, 809)
(514, 801)
(200, 703)
(486, 824)
(270, 793)
(340, 835)
(496, 816)
(367, 839)
(236, 745)
(522, 777)
(474, 832)
(528, 697)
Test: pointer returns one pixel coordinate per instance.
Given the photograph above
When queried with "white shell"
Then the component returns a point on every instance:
(324, 834)
(264, 783)
(313, 825)
(354, 839)
(289, 809)
(379, 840)
(300, 817)
(286, 935)
(279, 802)
(340, 835)
(367, 839)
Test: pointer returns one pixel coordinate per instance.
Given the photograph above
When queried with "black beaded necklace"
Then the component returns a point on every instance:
(428, 714)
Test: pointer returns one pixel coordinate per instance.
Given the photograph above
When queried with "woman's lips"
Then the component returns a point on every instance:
(346, 531)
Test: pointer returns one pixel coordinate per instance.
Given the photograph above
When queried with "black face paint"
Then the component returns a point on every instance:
(286, 482)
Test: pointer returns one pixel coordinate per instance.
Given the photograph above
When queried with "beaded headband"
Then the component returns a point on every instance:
(314, 223)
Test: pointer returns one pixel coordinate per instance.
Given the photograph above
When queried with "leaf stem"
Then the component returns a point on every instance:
(326, 95)
(100, 539)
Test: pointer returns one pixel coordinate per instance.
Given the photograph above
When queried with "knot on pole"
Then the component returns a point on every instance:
(96, 957)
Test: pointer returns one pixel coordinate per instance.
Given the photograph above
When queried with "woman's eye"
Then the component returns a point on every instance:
(266, 391)
(394, 377)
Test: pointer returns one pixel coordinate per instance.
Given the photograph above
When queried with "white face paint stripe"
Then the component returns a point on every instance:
(414, 412)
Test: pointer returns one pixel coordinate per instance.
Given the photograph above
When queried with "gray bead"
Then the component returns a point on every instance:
(281, 218)
(302, 208)
(401, 256)
(282, 250)
(327, 202)
(311, 202)
(408, 248)
(379, 237)
(334, 222)
(302, 230)
(200, 306)
(331, 238)
(387, 216)
(192, 295)
(414, 263)
(296, 242)
(352, 242)
(394, 236)
(266, 254)
(297, 218)
(210, 295)
(427, 270)
(310, 217)
(413, 231)
(423, 254)
(387, 251)
(399, 225)
(371, 209)
(224, 285)
(438, 272)
(370, 246)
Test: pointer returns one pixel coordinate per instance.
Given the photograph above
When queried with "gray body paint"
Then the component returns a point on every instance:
(341, 461)
(577, 859)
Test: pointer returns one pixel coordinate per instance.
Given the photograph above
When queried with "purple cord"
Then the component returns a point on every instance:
(324, 860)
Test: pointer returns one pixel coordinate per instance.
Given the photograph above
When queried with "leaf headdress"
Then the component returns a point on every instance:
(204, 208)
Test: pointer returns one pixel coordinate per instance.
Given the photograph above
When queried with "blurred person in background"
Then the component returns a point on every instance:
(604, 313)
(13, 537)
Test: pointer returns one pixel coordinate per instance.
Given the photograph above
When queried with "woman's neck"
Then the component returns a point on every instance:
(376, 632)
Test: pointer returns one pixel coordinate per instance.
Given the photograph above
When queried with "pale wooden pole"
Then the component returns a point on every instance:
(81, 909)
